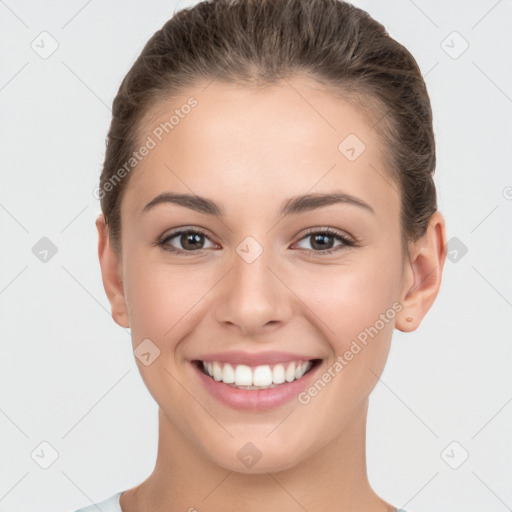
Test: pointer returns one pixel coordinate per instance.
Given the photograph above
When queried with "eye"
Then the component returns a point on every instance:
(322, 240)
(191, 241)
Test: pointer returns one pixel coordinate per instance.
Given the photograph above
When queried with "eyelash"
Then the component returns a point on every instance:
(347, 242)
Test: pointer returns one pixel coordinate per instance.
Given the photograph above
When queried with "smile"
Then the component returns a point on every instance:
(265, 376)
(255, 387)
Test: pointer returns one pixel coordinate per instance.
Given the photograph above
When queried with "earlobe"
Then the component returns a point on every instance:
(111, 274)
(422, 275)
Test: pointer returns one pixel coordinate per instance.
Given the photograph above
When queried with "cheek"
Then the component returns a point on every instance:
(351, 297)
(162, 299)
(357, 306)
(164, 303)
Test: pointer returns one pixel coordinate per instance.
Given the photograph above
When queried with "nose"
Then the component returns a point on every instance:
(253, 297)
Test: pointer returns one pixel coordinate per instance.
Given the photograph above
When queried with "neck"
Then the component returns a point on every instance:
(333, 479)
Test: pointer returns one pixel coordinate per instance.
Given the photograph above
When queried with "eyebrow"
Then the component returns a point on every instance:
(292, 206)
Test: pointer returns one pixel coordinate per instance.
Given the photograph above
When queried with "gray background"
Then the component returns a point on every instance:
(68, 376)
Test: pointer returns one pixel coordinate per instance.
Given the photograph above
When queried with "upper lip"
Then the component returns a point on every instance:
(254, 359)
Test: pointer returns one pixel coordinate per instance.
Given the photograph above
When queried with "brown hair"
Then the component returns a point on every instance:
(260, 41)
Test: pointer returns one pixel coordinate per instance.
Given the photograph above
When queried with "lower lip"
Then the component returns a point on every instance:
(255, 399)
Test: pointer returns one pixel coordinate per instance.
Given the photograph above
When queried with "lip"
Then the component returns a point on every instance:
(254, 359)
(256, 399)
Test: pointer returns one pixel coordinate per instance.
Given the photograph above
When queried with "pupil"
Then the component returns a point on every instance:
(190, 239)
(317, 239)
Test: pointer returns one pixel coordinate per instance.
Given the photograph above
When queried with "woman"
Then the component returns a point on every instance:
(268, 219)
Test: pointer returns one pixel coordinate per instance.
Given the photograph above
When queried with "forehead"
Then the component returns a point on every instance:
(242, 144)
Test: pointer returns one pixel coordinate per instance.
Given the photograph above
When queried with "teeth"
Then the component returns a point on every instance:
(217, 371)
(290, 373)
(243, 375)
(301, 370)
(228, 374)
(260, 377)
(278, 374)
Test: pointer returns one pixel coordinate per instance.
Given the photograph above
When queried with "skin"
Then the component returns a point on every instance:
(249, 150)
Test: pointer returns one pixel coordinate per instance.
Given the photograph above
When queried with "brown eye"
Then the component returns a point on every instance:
(322, 241)
(186, 241)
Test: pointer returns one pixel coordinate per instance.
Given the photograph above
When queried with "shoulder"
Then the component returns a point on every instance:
(109, 505)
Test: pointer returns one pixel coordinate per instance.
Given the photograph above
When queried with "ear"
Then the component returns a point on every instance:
(111, 274)
(422, 273)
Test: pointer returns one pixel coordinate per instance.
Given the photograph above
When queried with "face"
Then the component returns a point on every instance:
(254, 284)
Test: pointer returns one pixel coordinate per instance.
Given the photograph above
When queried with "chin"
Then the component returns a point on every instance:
(259, 456)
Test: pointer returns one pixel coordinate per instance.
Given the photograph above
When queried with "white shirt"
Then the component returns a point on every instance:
(112, 505)
(109, 505)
